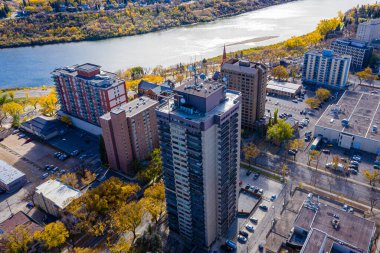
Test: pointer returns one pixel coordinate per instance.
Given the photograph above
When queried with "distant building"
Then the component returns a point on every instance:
(326, 68)
(369, 31)
(86, 92)
(153, 91)
(283, 89)
(130, 132)
(11, 179)
(323, 228)
(353, 122)
(359, 51)
(44, 127)
(199, 130)
(53, 196)
(251, 80)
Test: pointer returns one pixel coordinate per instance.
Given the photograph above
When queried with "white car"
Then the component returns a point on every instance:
(276, 103)
(249, 227)
(254, 220)
(242, 239)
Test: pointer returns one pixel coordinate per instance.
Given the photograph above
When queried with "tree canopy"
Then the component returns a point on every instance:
(280, 132)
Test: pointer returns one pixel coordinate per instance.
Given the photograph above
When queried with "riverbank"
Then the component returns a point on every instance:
(42, 28)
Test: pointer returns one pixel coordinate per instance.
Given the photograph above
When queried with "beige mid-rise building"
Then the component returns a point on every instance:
(251, 80)
(130, 132)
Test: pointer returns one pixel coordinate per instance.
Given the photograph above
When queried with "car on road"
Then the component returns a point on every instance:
(242, 239)
(254, 220)
(249, 227)
(261, 247)
(45, 175)
(243, 233)
(263, 207)
(273, 197)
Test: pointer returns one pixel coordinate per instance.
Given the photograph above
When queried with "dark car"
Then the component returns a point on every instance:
(243, 233)
(248, 172)
(256, 176)
(263, 207)
(291, 152)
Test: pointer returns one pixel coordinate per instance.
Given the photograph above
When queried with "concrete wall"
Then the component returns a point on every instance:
(45, 204)
(88, 127)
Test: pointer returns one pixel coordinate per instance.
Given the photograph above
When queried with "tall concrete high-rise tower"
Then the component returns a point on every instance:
(199, 136)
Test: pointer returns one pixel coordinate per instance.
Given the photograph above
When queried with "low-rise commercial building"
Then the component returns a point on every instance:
(326, 68)
(283, 89)
(44, 127)
(352, 122)
(11, 179)
(53, 196)
(130, 132)
(323, 228)
(154, 91)
(359, 51)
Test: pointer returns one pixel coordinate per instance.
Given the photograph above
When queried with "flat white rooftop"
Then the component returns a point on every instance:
(59, 193)
(8, 173)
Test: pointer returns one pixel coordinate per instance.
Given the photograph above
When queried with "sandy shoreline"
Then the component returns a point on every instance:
(257, 39)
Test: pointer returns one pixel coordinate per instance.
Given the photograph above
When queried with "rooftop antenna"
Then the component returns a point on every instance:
(193, 68)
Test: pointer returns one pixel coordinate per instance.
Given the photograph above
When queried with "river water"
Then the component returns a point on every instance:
(31, 66)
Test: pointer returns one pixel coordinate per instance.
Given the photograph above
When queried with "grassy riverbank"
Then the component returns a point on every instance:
(43, 28)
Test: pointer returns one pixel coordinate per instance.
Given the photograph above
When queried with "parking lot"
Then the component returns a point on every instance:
(250, 204)
(30, 157)
(86, 144)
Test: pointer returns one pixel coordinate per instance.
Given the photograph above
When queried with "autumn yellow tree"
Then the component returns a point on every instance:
(127, 218)
(53, 235)
(154, 201)
(88, 177)
(250, 152)
(70, 179)
(17, 240)
(49, 103)
(323, 94)
(367, 75)
(312, 102)
(314, 156)
(94, 208)
(372, 177)
(12, 108)
(280, 73)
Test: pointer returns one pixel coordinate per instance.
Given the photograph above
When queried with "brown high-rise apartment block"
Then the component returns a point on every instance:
(130, 132)
(251, 80)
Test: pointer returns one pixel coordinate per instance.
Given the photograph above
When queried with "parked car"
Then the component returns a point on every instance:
(326, 151)
(247, 186)
(242, 239)
(273, 197)
(249, 227)
(45, 175)
(308, 133)
(30, 205)
(377, 167)
(377, 162)
(16, 131)
(295, 101)
(307, 139)
(256, 176)
(243, 233)
(261, 191)
(27, 140)
(248, 173)
(254, 220)
(291, 152)
(354, 163)
(22, 135)
(353, 171)
(357, 158)
(263, 207)
(353, 166)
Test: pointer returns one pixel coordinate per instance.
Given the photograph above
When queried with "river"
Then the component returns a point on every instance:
(31, 66)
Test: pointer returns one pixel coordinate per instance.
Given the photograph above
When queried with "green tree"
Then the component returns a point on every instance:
(154, 201)
(280, 132)
(53, 235)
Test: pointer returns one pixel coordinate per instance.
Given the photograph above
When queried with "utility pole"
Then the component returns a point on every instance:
(9, 207)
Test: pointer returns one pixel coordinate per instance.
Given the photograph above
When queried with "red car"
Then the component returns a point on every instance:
(28, 140)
